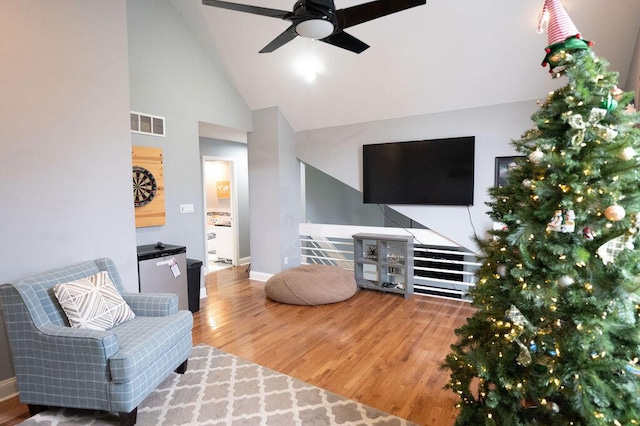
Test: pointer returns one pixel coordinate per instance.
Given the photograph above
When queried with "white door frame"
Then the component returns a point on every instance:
(234, 205)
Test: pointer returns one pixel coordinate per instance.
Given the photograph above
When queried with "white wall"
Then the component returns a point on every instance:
(174, 76)
(65, 145)
(337, 151)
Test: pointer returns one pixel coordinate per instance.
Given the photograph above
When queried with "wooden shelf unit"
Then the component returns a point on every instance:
(384, 263)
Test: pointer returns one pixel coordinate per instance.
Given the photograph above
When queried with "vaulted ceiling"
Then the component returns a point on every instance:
(445, 55)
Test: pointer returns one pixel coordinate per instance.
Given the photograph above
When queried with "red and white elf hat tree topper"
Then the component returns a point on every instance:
(562, 33)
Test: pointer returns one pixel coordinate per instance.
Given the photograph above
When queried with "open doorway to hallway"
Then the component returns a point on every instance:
(220, 213)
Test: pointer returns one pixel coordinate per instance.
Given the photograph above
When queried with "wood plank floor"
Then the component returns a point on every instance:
(375, 348)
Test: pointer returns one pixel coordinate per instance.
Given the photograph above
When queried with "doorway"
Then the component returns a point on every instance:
(220, 213)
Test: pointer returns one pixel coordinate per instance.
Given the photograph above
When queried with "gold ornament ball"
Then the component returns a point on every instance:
(614, 212)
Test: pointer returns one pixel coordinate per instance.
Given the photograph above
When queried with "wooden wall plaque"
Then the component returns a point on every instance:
(148, 186)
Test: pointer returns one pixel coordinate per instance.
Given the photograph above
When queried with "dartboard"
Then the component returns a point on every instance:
(144, 186)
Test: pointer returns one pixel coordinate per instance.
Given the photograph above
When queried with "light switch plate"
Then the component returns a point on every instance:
(186, 208)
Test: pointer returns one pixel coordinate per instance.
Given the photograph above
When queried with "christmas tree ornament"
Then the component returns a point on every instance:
(635, 223)
(524, 357)
(569, 224)
(555, 225)
(565, 281)
(536, 156)
(577, 140)
(626, 154)
(516, 317)
(633, 369)
(562, 34)
(587, 233)
(614, 213)
(606, 133)
(609, 103)
(501, 270)
(596, 115)
(552, 406)
(577, 122)
(617, 93)
(610, 250)
(527, 183)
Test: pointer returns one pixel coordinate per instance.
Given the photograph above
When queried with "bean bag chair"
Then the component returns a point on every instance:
(311, 285)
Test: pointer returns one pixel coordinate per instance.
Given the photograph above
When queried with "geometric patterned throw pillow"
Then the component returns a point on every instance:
(116, 305)
(92, 303)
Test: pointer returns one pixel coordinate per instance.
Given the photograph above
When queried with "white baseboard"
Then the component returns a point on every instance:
(8, 389)
(203, 293)
(259, 276)
(244, 260)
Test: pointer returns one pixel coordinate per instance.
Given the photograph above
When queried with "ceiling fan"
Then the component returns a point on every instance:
(319, 19)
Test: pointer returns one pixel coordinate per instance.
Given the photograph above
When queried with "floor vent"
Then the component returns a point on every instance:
(147, 124)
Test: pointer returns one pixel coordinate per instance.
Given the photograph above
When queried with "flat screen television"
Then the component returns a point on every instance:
(427, 172)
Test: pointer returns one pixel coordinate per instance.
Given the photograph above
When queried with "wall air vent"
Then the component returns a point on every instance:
(147, 124)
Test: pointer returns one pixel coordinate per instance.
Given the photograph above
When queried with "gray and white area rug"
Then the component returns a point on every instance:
(223, 389)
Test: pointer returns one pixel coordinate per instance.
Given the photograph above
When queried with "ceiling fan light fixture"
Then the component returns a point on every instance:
(308, 67)
(315, 29)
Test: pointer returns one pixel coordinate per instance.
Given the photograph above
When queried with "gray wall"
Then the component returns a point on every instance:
(65, 140)
(330, 201)
(172, 75)
(65, 143)
(237, 152)
(327, 200)
(337, 151)
(274, 191)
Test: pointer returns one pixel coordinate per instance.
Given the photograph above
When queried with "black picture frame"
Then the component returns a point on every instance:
(503, 165)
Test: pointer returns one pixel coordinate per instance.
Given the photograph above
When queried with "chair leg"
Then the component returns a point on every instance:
(182, 368)
(35, 409)
(128, 419)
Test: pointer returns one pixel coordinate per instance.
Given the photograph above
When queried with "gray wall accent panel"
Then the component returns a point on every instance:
(330, 201)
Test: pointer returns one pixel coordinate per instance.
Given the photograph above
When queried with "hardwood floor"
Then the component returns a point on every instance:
(375, 348)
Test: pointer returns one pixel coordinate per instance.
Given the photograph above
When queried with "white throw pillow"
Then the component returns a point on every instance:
(93, 302)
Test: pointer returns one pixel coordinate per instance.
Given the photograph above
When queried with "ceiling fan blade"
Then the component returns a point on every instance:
(256, 10)
(355, 15)
(325, 4)
(284, 38)
(346, 41)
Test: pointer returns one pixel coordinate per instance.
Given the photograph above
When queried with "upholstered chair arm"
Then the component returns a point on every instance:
(66, 343)
(152, 304)
(36, 341)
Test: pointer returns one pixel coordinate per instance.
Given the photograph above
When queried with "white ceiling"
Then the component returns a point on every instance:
(446, 55)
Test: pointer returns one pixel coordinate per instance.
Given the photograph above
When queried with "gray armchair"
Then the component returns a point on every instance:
(112, 370)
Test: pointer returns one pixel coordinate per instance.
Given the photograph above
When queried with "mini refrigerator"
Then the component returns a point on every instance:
(162, 268)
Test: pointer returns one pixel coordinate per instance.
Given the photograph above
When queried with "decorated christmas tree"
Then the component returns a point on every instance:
(556, 336)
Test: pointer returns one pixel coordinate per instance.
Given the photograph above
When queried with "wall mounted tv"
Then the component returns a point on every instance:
(427, 172)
